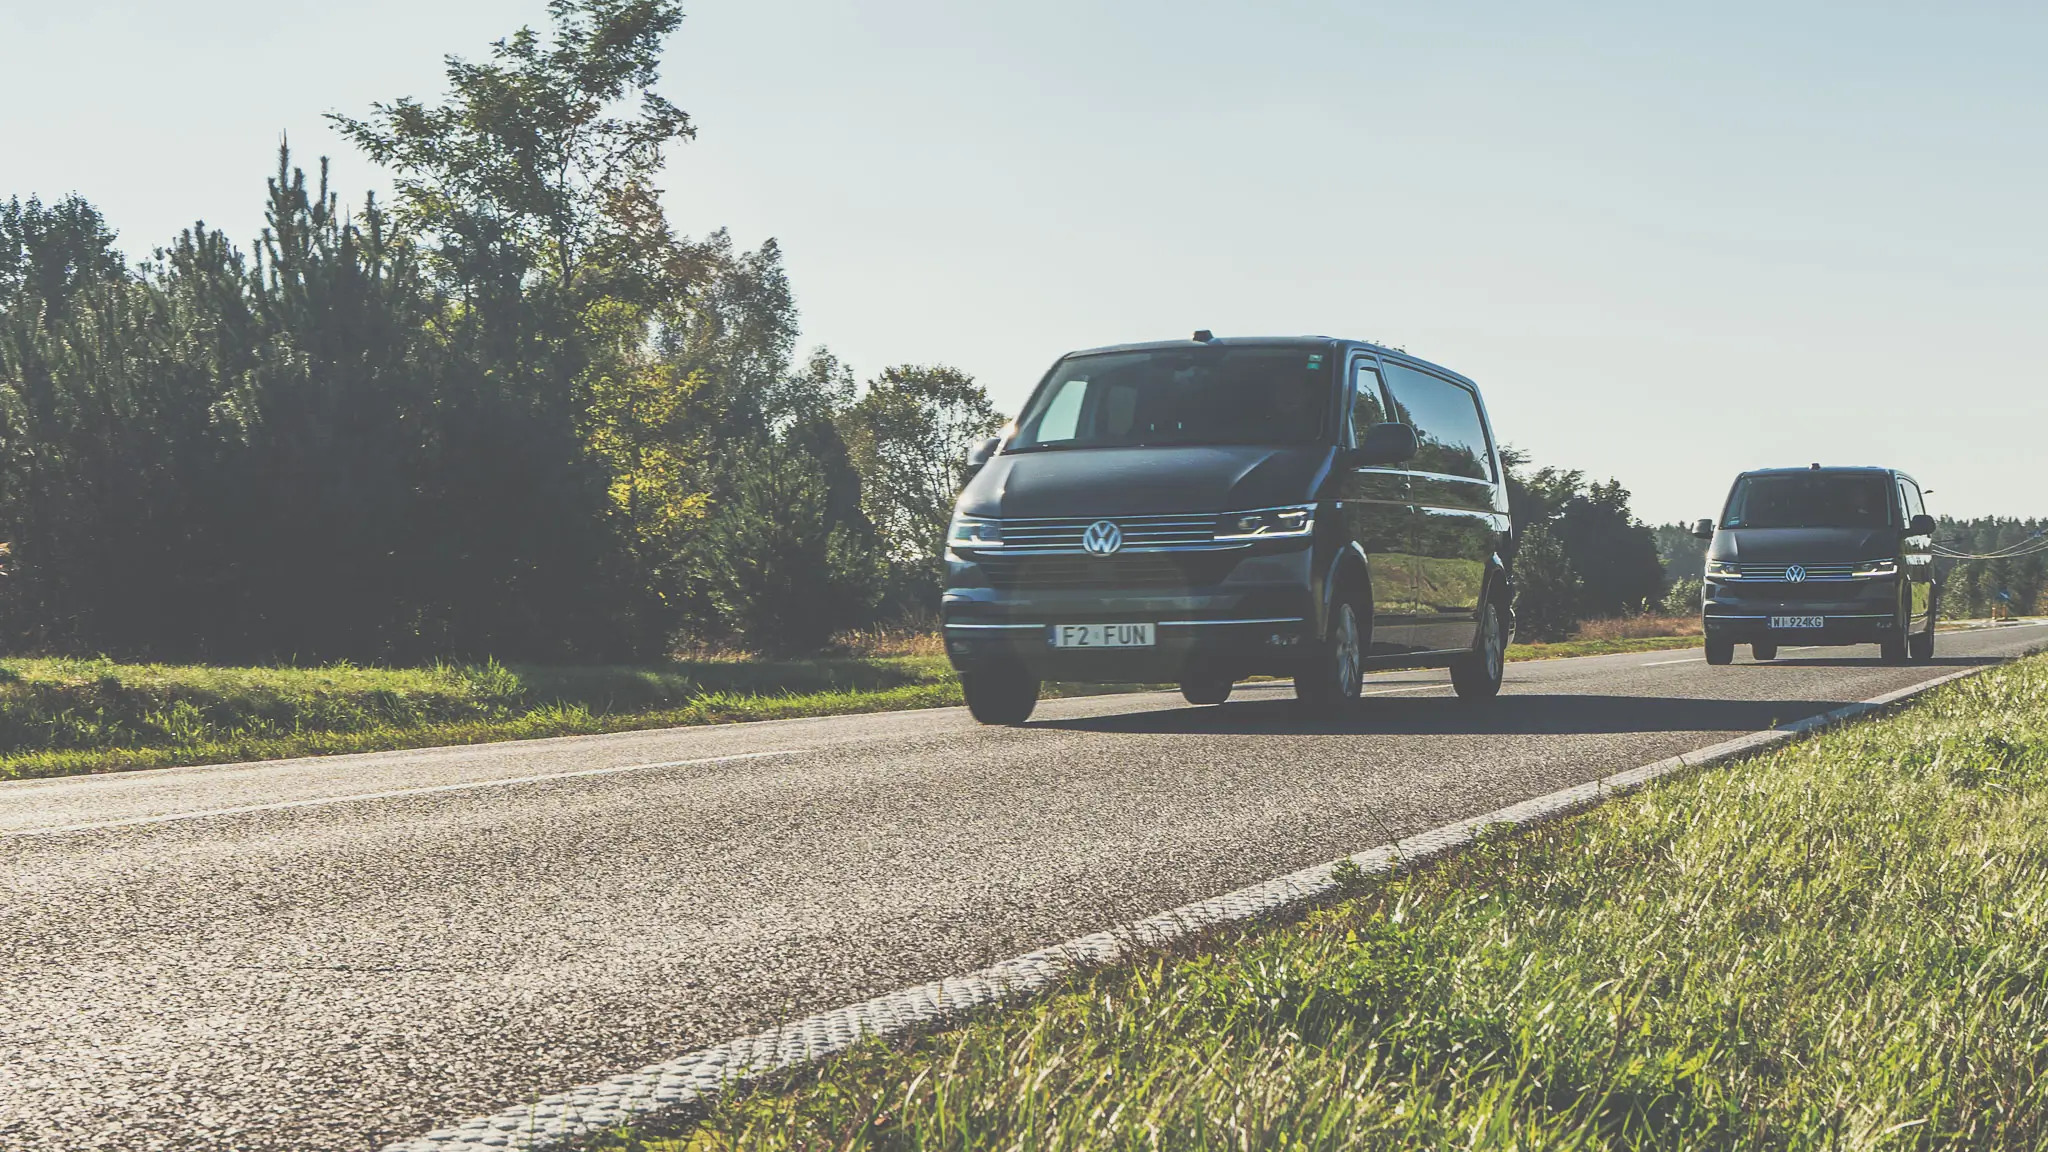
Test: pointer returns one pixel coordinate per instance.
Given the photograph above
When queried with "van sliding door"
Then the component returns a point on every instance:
(1453, 486)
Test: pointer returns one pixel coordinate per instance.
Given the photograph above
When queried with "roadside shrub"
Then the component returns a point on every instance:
(1683, 599)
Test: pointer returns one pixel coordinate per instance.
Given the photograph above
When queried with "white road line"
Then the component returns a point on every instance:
(1398, 691)
(1687, 660)
(394, 794)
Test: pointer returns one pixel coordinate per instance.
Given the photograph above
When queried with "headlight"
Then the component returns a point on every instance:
(974, 532)
(1878, 568)
(1724, 570)
(1267, 523)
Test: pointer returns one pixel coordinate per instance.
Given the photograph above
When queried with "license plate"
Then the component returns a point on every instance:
(1102, 635)
(1799, 622)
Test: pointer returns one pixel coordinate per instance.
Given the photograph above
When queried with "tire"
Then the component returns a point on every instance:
(1207, 691)
(1892, 649)
(1333, 673)
(1000, 695)
(1477, 674)
(1920, 649)
(1764, 651)
(1720, 651)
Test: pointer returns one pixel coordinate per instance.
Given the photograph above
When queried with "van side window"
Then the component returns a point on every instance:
(1911, 492)
(1366, 410)
(1446, 420)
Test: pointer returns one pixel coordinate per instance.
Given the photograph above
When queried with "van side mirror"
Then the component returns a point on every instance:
(1704, 529)
(978, 453)
(1386, 444)
(1922, 525)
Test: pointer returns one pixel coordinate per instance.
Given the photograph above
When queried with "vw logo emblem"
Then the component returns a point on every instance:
(1102, 538)
(1795, 574)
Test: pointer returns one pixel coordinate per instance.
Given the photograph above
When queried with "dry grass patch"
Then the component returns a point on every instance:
(1638, 627)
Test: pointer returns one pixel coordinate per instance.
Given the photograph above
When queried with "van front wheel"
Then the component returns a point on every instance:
(1332, 676)
(1000, 695)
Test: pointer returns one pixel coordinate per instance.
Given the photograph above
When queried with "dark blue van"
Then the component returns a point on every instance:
(1200, 511)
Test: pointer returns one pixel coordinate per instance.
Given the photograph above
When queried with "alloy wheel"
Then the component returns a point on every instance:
(1350, 662)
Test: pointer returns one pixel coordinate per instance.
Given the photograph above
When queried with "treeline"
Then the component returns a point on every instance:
(511, 414)
(1979, 588)
(1581, 554)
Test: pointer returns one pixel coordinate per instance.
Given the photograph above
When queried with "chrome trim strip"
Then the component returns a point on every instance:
(1027, 550)
(1713, 616)
(995, 627)
(1144, 518)
(1197, 623)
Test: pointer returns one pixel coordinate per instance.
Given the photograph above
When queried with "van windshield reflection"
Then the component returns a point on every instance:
(1201, 396)
(1810, 500)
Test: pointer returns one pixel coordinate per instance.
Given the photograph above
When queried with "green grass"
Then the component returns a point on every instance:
(67, 717)
(62, 717)
(1839, 945)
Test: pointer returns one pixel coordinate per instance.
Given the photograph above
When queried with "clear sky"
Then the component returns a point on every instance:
(1671, 241)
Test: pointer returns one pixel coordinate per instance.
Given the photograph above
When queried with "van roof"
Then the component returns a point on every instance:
(1302, 341)
(1832, 469)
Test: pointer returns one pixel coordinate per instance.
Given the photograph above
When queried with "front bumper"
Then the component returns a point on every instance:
(1853, 612)
(1247, 612)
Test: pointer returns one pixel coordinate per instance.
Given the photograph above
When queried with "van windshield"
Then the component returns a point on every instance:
(1215, 395)
(1810, 500)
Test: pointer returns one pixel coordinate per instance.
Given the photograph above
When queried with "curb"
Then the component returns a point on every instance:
(560, 1118)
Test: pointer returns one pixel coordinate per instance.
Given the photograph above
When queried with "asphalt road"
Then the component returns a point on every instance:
(330, 954)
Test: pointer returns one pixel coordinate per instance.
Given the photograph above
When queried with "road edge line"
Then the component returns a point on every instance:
(646, 1093)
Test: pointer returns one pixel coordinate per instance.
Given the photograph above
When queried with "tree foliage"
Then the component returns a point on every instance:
(1605, 563)
(1971, 588)
(514, 415)
(1547, 599)
(909, 435)
(782, 570)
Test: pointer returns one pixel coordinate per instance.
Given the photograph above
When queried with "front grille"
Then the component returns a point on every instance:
(1837, 591)
(1116, 573)
(1779, 572)
(1064, 534)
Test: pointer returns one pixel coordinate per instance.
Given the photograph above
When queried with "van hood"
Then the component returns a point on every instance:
(1160, 480)
(1803, 545)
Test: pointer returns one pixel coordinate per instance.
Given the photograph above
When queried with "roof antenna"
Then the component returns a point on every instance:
(1203, 335)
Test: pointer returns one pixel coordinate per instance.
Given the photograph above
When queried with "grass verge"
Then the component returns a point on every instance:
(1840, 944)
(63, 717)
(1560, 649)
(69, 717)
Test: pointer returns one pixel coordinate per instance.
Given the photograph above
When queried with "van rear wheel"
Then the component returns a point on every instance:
(1207, 690)
(1720, 651)
(1000, 695)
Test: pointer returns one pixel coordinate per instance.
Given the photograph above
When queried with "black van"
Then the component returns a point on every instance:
(1203, 510)
(1821, 556)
